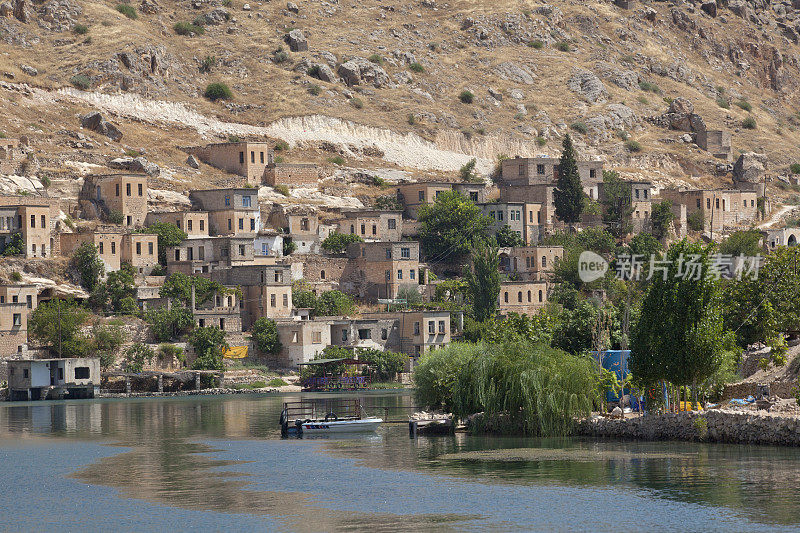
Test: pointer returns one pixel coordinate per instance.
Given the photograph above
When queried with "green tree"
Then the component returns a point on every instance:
(57, 324)
(303, 299)
(661, 218)
(598, 240)
(334, 303)
(387, 202)
(136, 356)
(679, 336)
(121, 288)
(168, 235)
(568, 194)
(467, 172)
(15, 245)
(178, 287)
(576, 330)
(107, 340)
(742, 243)
(382, 365)
(336, 243)
(265, 334)
(167, 324)
(616, 204)
(451, 226)
(507, 237)
(483, 281)
(208, 344)
(288, 246)
(88, 264)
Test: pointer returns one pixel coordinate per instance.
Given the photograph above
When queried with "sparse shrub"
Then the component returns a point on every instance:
(633, 146)
(744, 104)
(81, 82)
(622, 134)
(411, 119)
(218, 91)
(643, 100)
(696, 221)
(280, 56)
(313, 71)
(480, 131)
(132, 153)
(376, 58)
(16, 276)
(357, 103)
(281, 146)
(3, 135)
(315, 89)
(433, 47)
(80, 29)
(227, 3)
(749, 123)
(519, 116)
(467, 133)
(279, 159)
(649, 87)
(563, 46)
(580, 127)
(416, 67)
(199, 20)
(187, 28)
(208, 63)
(234, 139)
(276, 382)
(795, 168)
(45, 179)
(537, 44)
(466, 96)
(128, 10)
(115, 217)
(541, 141)
(720, 90)
(337, 160)
(723, 102)
(283, 189)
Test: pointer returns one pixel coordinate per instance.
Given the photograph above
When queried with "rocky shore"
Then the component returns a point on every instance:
(760, 427)
(201, 392)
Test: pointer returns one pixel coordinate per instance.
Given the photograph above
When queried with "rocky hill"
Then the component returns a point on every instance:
(402, 88)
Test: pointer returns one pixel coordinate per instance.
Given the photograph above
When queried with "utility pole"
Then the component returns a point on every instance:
(59, 329)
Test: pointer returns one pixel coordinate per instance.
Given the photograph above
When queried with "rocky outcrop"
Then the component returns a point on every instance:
(680, 116)
(750, 168)
(360, 70)
(588, 86)
(296, 40)
(627, 79)
(135, 164)
(515, 72)
(218, 16)
(192, 162)
(615, 117)
(94, 121)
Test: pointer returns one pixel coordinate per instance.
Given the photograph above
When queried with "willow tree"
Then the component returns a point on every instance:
(483, 281)
(568, 194)
(680, 334)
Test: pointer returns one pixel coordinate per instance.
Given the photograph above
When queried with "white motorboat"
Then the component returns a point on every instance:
(348, 425)
(331, 416)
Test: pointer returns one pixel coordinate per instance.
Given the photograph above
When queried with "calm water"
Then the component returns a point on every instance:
(218, 463)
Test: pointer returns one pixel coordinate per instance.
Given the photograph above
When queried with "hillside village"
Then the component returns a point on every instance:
(161, 209)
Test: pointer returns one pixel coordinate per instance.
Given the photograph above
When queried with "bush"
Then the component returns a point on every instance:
(749, 123)
(376, 58)
(128, 10)
(265, 335)
(167, 324)
(416, 67)
(723, 102)
(744, 104)
(313, 71)
(276, 382)
(288, 246)
(563, 46)
(81, 82)
(135, 357)
(336, 243)
(315, 89)
(649, 87)
(541, 141)
(633, 146)
(795, 168)
(208, 63)
(89, 265)
(696, 221)
(208, 344)
(280, 56)
(15, 245)
(538, 45)
(337, 160)
(187, 28)
(107, 340)
(411, 119)
(16, 276)
(580, 127)
(218, 91)
(357, 103)
(115, 217)
(382, 366)
(80, 29)
(466, 96)
(281, 146)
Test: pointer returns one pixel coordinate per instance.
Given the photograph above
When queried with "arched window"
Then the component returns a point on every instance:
(540, 296)
(519, 297)
(529, 296)
(352, 229)
(321, 274)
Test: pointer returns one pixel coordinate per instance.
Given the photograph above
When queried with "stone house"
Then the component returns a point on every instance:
(302, 340)
(222, 311)
(266, 290)
(33, 223)
(20, 293)
(302, 225)
(773, 238)
(420, 331)
(247, 159)
(638, 199)
(540, 208)
(13, 328)
(141, 251)
(203, 255)
(193, 223)
(125, 194)
(415, 195)
(522, 297)
(291, 174)
(106, 239)
(720, 208)
(268, 243)
(522, 218)
(12, 156)
(380, 269)
(530, 263)
(372, 225)
(230, 211)
(544, 170)
(320, 273)
(716, 142)
(377, 332)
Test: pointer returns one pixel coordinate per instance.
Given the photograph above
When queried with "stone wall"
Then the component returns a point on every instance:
(709, 426)
(291, 174)
(781, 389)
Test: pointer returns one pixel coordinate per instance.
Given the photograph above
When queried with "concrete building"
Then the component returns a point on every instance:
(774, 238)
(247, 159)
(104, 196)
(530, 263)
(291, 174)
(302, 340)
(230, 211)
(522, 297)
(202, 255)
(193, 223)
(36, 379)
(380, 269)
(541, 170)
(372, 225)
(13, 328)
(266, 290)
(720, 208)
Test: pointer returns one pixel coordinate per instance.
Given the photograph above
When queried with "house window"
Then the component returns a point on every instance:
(201, 253)
(117, 189)
(273, 301)
(190, 254)
(316, 337)
(499, 215)
(698, 203)
(229, 225)
(708, 203)
(529, 296)
(399, 274)
(416, 328)
(405, 253)
(202, 225)
(17, 319)
(241, 158)
(540, 296)
(149, 248)
(246, 201)
(544, 261)
(388, 275)
(127, 189)
(644, 194)
(412, 274)
(321, 274)
(140, 189)
(388, 253)
(752, 203)
(473, 196)
(100, 248)
(441, 326)
(177, 255)
(14, 299)
(364, 334)
(374, 229)
(129, 221)
(44, 220)
(252, 156)
(227, 200)
(637, 193)
(352, 229)
(33, 221)
(29, 301)
(432, 327)
(252, 224)
(241, 249)
(344, 335)
(113, 248)
(592, 173)
(286, 300)
(421, 196)
(539, 217)
(138, 248)
(363, 229)
(539, 169)
(188, 225)
(294, 337)
(25, 373)
(262, 158)
(716, 203)
(505, 297)
(241, 223)
(744, 203)
(519, 297)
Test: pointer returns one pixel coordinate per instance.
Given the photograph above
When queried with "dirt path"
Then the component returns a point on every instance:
(776, 216)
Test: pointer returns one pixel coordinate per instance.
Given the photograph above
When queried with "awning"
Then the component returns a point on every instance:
(235, 352)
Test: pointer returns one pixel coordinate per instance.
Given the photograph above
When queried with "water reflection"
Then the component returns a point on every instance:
(174, 448)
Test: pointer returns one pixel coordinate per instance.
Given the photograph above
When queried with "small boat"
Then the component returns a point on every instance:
(341, 416)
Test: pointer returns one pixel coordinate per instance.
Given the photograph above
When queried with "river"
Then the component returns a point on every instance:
(218, 462)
